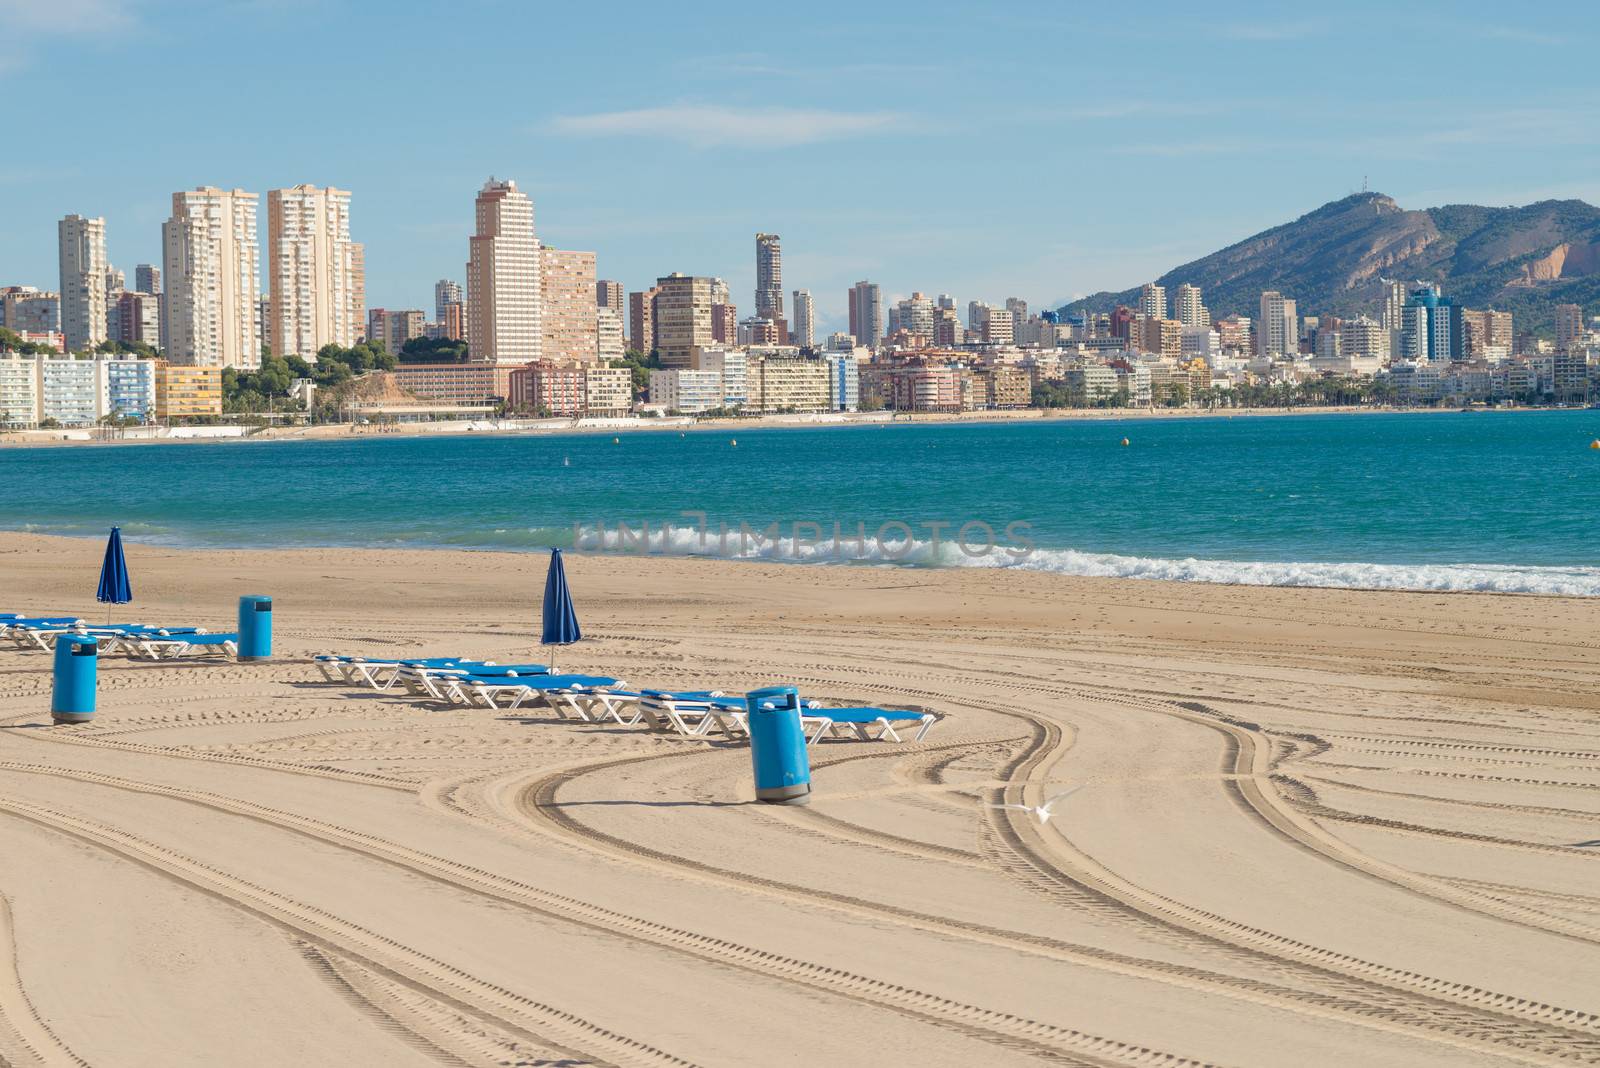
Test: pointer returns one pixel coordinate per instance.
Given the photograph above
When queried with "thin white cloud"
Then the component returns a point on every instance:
(1519, 34)
(703, 126)
(1175, 149)
(66, 17)
(1271, 31)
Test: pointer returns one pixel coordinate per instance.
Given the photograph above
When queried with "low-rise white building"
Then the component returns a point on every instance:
(71, 392)
(19, 391)
(732, 365)
(687, 391)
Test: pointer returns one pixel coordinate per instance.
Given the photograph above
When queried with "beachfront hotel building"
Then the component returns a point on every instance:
(686, 391)
(72, 391)
(547, 388)
(733, 365)
(19, 391)
(503, 300)
(210, 262)
(844, 382)
(608, 294)
(82, 258)
(568, 323)
(455, 383)
(550, 388)
(682, 317)
(866, 314)
(787, 384)
(186, 391)
(608, 390)
(311, 271)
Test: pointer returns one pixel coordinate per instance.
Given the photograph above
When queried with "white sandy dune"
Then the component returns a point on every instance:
(1316, 827)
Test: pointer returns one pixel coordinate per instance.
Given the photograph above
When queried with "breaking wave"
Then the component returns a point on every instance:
(981, 552)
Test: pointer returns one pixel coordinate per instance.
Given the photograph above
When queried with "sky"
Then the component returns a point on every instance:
(1041, 150)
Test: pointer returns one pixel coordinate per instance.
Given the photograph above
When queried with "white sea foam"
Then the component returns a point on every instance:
(1454, 578)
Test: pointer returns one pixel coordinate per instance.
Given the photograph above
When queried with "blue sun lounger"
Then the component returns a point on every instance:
(860, 722)
(818, 722)
(24, 629)
(178, 646)
(336, 668)
(488, 689)
(428, 679)
(668, 710)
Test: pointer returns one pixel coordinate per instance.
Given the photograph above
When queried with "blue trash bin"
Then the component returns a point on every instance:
(255, 628)
(77, 668)
(778, 746)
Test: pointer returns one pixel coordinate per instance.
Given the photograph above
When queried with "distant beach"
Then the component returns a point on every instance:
(482, 427)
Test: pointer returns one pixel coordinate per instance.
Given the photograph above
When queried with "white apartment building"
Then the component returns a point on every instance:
(608, 333)
(1152, 301)
(608, 390)
(82, 257)
(503, 300)
(804, 328)
(1278, 328)
(787, 383)
(1202, 342)
(732, 365)
(130, 387)
(1189, 309)
(74, 392)
(844, 381)
(212, 278)
(19, 391)
(686, 391)
(1363, 338)
(311, 271)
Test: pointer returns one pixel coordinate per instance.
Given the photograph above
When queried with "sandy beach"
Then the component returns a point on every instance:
(684, 424)
(1316, 827)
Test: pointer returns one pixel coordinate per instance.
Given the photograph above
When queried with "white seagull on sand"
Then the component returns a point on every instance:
(1043, 811)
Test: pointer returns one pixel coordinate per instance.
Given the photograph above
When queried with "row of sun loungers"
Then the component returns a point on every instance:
(597, 699)
(133, 639)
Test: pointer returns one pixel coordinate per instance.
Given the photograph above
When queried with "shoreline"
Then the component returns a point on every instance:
(687, 424)
(907, 568)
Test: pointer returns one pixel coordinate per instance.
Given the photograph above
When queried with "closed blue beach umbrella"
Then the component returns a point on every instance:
(114, 587)
(560, 618)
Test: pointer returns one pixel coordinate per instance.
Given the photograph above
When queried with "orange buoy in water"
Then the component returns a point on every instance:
(1595, 444)
(1125, 441)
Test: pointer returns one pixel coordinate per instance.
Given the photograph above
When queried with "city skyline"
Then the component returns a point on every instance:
(791, 141)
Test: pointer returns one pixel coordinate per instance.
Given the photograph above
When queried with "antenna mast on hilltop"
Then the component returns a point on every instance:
(1363, 183)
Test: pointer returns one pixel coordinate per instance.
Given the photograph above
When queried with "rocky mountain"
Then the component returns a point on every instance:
(1524, 260)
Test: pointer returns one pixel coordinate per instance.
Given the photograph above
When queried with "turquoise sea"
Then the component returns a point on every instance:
(1450, 501)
